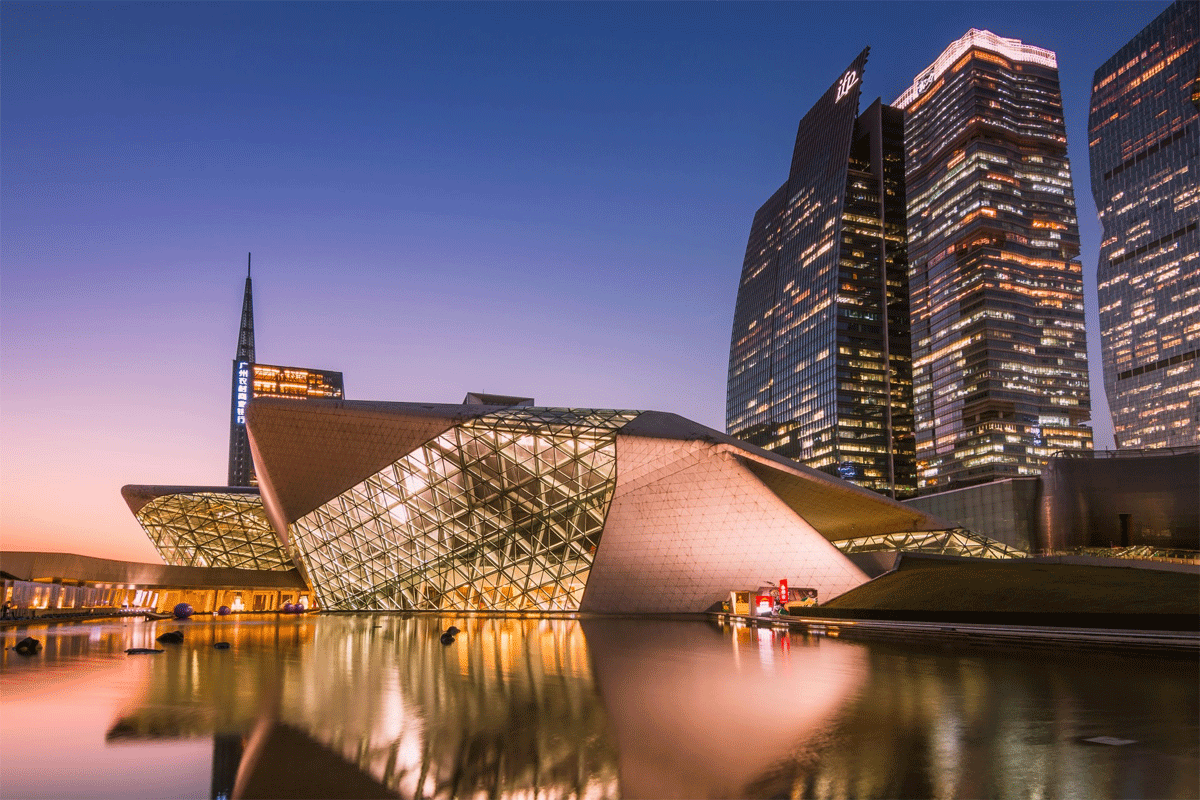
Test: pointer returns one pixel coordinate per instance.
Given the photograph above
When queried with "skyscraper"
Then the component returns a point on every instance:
(251, 379)
(819, 358)
(1144, 143)
(1000, 378)
(241, 466)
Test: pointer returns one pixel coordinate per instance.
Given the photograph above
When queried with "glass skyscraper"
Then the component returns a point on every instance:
(1144, 143)
(819, 358)
(1000, 377)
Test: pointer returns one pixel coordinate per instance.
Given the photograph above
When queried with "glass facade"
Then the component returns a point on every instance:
(1144, 143)
(501, 512)
(213, 529)
(819, 362)
(957, 542)
(1000, 378)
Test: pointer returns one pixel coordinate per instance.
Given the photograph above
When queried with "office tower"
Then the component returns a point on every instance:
(819, 359)
(1144, 143)
(251, 379)
(1000, 378)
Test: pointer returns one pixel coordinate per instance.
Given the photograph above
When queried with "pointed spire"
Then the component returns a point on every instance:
(245, 349)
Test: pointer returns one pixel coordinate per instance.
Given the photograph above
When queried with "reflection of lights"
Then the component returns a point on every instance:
(766, 649)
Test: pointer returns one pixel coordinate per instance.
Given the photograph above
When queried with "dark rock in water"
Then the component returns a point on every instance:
(138, 651)
(222, 645)
(452, 630)
(28, 646)
(447, 638)
(171, 637)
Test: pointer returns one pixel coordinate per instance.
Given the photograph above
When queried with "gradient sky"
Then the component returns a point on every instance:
(543, 200)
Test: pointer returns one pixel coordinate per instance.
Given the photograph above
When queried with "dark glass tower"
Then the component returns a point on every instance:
(1144, 143)
(1000, 379)
(819, 359)
(251, 379)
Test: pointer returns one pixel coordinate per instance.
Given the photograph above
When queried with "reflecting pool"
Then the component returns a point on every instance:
(376, 706)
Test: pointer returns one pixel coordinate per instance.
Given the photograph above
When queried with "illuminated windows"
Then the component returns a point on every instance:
(996, 289)
(1144, 140)
(206, 527)
(503, 512)
(819, 364)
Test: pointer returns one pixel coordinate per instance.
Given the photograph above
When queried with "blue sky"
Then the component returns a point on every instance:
(548, 200)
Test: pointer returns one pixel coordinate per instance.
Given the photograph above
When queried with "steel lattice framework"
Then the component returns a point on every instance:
(503, 512)
(213, 530)
(957, 542)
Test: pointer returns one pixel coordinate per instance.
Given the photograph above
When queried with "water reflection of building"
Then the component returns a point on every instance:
(698, 711)
(942, 724)
(610, 707)
(509, 710)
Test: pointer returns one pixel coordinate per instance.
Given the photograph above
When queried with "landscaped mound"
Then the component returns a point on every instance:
(1024, 592)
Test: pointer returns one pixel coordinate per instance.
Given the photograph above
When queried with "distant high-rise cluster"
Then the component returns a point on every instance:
(1144, 143)
(910, 311)
(251, 379)
(819, 359)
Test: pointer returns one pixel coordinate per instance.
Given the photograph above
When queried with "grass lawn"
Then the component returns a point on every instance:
(1025, 586)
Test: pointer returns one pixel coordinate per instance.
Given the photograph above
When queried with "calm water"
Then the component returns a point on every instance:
(374, 706)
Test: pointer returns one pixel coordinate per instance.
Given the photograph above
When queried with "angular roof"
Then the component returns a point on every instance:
(484, 399)
(838, 509)
(137, 497)
(306, 453)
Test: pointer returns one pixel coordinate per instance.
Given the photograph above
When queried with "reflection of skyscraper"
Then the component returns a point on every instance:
(252, 380)
(1144, 142)
(1000, 376)
(819, 365)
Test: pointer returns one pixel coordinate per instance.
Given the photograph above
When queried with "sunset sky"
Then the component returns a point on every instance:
(542, 200)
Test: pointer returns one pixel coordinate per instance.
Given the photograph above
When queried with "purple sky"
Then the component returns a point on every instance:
(543, 200)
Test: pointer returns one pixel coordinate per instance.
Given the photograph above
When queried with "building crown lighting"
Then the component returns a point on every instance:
(986, 40)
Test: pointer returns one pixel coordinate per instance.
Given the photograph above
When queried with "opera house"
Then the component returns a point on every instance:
(495, 504)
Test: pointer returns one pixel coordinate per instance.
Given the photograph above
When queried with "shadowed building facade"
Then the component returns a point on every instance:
(1000, 378)
(494, 507)
(819, 358)
(1144, 143)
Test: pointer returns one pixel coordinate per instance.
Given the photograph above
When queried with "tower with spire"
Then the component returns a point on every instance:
(252, 379)
(241, 468)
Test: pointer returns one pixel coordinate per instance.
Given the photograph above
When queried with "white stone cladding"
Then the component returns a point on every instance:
(689, 523)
